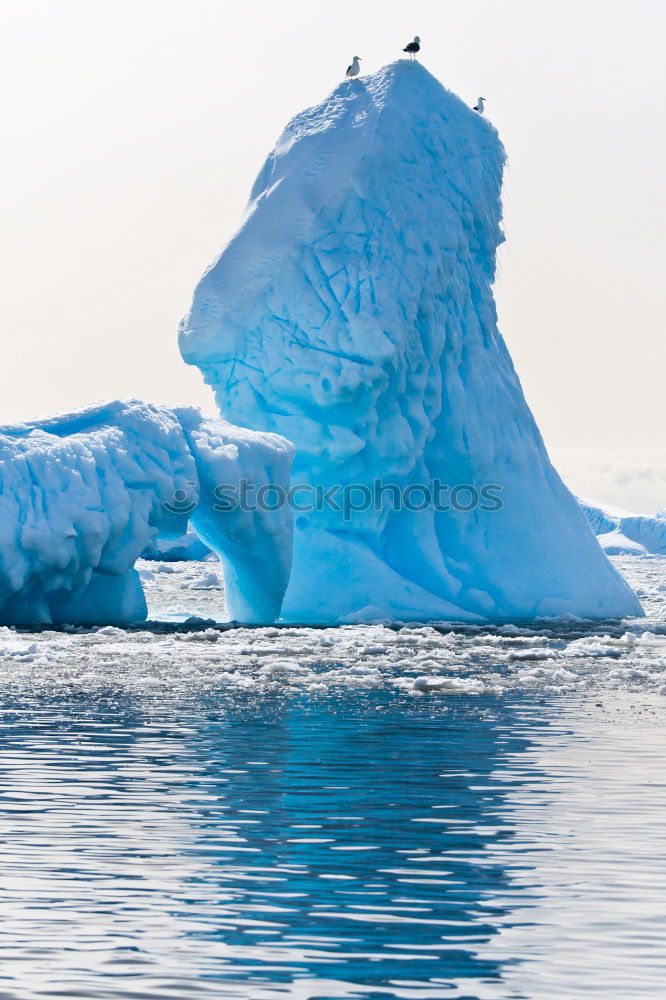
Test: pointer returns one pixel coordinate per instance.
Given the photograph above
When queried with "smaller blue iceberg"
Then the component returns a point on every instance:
(84, 494)
(620, 533)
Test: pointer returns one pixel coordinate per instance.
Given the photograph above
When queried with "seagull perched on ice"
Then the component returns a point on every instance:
(355, 68)
(413, 47)
(479, 106)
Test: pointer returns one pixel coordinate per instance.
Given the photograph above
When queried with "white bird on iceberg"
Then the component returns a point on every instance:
(479, 106)
(355, 68)
(413, 47)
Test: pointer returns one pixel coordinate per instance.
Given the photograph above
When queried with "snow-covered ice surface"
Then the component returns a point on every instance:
(358, 812)
(353, 313)
(83, 494)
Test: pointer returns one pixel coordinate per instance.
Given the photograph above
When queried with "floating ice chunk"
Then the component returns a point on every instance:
(209, 581)
(587, 649)
(452, 685)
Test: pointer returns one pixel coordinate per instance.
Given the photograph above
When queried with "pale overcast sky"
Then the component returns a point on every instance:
(133, 129)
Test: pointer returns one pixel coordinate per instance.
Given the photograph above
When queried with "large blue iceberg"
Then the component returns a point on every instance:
(82, 495)
(353, 313)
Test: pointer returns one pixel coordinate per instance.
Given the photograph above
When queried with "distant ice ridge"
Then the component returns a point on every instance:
(621, 533)
(83, 494)
(184, 548)
(353, 313)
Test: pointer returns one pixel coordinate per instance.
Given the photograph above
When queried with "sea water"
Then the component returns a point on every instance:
(373, 812)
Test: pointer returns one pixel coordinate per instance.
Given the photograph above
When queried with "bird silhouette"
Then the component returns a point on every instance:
(355, 68)
(413, 47)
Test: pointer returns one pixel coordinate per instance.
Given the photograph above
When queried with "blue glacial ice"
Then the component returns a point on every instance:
(622, 533)
(83, 494)
(353, 313)
(187, 547)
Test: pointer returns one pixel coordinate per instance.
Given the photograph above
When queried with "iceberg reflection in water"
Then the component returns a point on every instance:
(364, 844)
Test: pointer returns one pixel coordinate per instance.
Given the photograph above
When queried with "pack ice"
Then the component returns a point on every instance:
(353, 313)
(82, 495)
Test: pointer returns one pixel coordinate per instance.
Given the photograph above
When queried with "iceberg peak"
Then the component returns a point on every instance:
(381, 121)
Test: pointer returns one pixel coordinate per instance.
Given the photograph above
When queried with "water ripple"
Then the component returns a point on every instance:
(363, 839)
